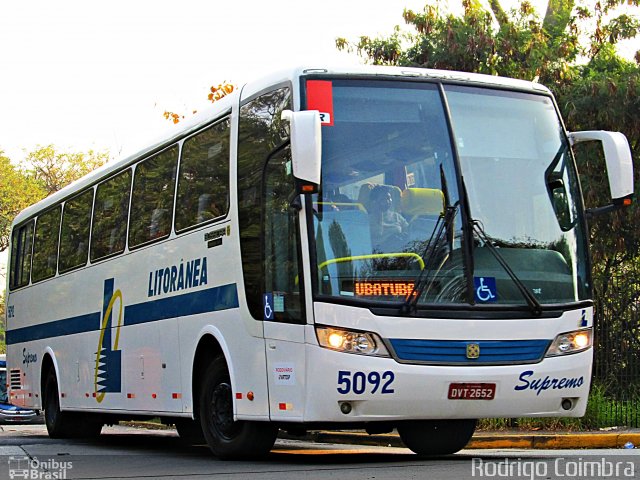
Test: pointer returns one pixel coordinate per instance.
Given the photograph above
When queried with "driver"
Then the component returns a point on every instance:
(387, 225)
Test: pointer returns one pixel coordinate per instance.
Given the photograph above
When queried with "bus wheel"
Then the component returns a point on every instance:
(225, 437)
(436, 437)
(65, 424)
(190, 431)
(55, 420)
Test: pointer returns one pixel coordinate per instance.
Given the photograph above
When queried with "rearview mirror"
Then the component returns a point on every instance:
(306, 148)
(617, 156)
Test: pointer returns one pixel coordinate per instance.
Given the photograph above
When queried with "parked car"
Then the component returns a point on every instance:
(11, 413)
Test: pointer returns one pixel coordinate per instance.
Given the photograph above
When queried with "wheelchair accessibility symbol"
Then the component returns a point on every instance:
(267, 306)
(485, 289)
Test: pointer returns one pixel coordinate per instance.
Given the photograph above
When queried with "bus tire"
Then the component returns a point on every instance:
(227, 438)
(190, 431)
(436, 437)
(65, 424)
(57, 422)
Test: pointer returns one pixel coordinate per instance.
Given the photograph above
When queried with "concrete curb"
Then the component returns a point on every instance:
(481, 440)
(494, 440)
(547, 441)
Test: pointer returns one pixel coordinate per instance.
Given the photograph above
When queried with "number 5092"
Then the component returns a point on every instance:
(361, 382)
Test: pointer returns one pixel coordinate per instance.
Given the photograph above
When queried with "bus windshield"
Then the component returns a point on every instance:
(452, 195)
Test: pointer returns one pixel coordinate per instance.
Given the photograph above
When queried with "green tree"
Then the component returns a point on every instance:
(53, 169)
(17, 191)
(44, 171)
(517, 43)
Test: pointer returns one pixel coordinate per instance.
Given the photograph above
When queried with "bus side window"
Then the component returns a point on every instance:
(110, 214)
(45, 247)
(74, 235)
(281, 246)
(152, 198)
(203, 181)
(21, 243)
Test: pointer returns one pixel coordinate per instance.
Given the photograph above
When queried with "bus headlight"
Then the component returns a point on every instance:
(363, 343)
(571, 342)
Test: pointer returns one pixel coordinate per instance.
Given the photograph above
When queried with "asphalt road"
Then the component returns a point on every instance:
(135, 453)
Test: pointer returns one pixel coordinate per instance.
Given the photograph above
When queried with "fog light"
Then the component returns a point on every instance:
(345, 407)
(567, 404)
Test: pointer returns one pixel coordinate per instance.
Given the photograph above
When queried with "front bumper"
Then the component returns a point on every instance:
(381, 389)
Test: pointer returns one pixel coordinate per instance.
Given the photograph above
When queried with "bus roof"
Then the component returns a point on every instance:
(202, 118)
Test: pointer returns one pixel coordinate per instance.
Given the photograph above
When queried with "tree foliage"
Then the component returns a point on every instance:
(518, 43)
(17, 191)
(53, 169)
(44, 171)
(216, 92)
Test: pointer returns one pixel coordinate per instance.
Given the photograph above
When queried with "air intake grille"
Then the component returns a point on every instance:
(15, 379)
(456, 352)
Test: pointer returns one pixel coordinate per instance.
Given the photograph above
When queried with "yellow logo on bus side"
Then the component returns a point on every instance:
(108, 369)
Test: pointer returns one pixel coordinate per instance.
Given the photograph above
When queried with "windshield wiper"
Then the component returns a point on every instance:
(427, 274)
(532, 301)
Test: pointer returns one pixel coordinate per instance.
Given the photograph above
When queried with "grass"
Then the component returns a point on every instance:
(602, 412)
(532, 424)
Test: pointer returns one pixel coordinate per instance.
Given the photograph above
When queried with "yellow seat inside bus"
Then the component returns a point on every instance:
(417, 202)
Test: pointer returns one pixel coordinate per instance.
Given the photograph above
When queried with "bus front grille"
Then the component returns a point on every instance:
(469, 352)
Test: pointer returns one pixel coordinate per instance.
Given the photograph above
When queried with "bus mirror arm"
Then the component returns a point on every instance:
(619, 164)
(612, 207)
(306, 149)
(296, 202)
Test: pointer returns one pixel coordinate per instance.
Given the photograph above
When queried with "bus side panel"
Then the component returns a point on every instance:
(286, 373)
(59, 318)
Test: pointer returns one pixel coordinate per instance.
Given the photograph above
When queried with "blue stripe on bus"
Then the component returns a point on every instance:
(204, 301)
(59, 328)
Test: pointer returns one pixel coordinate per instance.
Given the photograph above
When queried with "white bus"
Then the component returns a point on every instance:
(374, 248)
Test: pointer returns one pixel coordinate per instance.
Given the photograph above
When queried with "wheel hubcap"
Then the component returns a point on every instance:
(221, 416)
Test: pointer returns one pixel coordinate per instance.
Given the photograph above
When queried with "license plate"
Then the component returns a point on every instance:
(472, 391)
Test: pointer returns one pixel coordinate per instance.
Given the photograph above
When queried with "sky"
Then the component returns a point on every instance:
(84, 74)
